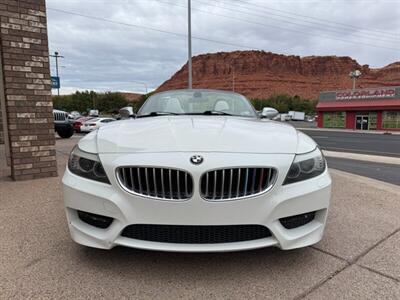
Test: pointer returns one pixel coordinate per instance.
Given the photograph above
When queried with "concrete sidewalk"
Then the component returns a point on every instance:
(359, 257)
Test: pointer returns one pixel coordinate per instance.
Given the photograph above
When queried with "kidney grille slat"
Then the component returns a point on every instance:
(236, 183)
(159, 183)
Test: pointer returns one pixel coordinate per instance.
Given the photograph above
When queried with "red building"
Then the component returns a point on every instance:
(360, 109)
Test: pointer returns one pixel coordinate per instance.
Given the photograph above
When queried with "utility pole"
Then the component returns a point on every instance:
(57, 56)
(189, 44)
(93, 99)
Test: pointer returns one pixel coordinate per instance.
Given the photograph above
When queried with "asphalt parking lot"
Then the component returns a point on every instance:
(358, 258)
(373, 143)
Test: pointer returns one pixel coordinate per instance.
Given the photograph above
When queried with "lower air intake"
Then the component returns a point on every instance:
(195, 234)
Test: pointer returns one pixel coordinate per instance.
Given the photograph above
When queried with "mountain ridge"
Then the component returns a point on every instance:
(260, 74)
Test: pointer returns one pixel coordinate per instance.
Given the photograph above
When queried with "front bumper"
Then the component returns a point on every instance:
(81, 194)
(88, 128)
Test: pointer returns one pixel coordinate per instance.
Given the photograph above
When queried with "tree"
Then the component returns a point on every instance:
(284, 103)
(110, 102)
(84, 101)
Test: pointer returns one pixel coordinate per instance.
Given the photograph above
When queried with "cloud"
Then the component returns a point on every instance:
(104, 56)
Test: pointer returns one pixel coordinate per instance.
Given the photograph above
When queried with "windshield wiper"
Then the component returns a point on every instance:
(158, 113)
(216, 112)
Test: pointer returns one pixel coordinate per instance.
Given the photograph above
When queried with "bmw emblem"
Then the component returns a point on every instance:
(196, 159)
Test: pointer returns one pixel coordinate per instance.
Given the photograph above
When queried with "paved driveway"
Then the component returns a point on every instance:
(359, 257)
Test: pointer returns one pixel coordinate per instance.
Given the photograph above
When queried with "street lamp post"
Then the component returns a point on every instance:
(189, 45)
(57, 56)
(354, 75)
(141, 82)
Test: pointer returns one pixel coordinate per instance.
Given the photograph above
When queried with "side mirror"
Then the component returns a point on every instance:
(269, 113)
(126, 113)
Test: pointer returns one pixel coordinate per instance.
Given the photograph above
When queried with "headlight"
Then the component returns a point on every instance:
(87, 165)
(306, 166)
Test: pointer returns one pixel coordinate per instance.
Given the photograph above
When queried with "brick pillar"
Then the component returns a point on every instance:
(26, 94)
(1, 127)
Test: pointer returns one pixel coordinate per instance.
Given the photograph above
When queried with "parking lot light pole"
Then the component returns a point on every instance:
(189, 45)
(57, 56)
(143, 83)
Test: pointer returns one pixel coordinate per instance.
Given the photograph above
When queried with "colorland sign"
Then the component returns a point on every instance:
(361, 94)
(366, 94)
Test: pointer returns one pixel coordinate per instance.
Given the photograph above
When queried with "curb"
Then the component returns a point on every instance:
(349, 131)
(363, 157)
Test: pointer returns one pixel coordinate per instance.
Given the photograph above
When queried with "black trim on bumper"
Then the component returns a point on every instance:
(98, 221)
(297, 220)
(196, 234)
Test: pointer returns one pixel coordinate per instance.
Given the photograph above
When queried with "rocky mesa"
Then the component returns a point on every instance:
(260, 74)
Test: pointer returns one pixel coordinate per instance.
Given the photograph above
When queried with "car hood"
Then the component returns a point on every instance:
(197, 134)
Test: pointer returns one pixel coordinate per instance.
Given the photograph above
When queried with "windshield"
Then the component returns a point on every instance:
(197, 102)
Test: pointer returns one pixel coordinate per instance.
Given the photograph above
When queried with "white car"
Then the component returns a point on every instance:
(197, 171)
(95, 123)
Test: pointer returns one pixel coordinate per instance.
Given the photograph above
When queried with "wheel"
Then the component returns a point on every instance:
(65, 133)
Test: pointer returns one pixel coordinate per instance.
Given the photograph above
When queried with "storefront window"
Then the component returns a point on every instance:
(390, 119)
(372, 120)
(335, 119)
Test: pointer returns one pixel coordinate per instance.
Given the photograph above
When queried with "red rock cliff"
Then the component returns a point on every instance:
(262, 74)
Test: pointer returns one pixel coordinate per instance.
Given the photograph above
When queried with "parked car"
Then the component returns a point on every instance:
(95, 123)
(77, 123)
(285, 117)
(296, 115)
(197, 170)
(62, 124)
(310, 119)
(94, 112)
(75, 115)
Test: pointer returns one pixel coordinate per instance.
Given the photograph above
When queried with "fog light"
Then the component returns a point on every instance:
(95, 220)
(297, 220)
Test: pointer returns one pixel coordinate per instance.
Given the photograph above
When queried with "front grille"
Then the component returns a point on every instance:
(195, 234)
(60, 116)
(161, 183)
(297, 220)
(235, 183)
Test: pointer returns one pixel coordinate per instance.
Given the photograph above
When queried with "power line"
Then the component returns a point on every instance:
(334, 29)
(326, 27)
(150, 28)
(289, 29)
(275, 26)
(206, 39)
(314, 18)
(266, 25)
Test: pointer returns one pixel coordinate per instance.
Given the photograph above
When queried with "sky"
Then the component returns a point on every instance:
(135, 45)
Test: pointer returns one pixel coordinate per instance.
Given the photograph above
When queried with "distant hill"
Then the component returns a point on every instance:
(259, 74)
(131, 97)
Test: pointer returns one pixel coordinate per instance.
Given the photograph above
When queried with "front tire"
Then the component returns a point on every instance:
(65, 133)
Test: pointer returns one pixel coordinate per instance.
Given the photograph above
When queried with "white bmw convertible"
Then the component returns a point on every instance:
(197, 170)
